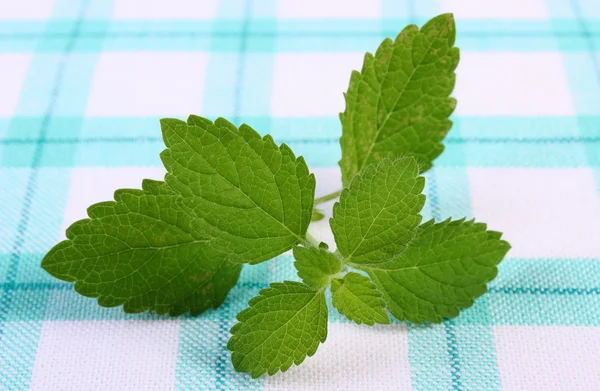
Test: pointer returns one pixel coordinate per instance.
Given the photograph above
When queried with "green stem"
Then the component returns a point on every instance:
(311, 241)
(341, 258)
(328, 197)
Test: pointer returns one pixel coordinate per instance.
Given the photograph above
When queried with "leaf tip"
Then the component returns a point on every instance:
(444, 25)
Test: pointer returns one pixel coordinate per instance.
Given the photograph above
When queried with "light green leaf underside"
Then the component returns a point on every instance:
(254, 200)
(443, 270)
(316, 266)
(399, 103)
(378, 214)
(141, 251)
(358, 299)
(282, 326)
(317, 215)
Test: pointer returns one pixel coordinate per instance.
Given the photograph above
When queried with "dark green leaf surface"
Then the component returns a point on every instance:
(315, 266)
(379, 213)
(230, 197)
(253, 199)
(357, 297)
(443, 270)
(282, 326)
(399, 103)
(141, 251)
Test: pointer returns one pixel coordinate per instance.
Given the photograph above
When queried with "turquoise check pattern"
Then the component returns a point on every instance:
(83, 84)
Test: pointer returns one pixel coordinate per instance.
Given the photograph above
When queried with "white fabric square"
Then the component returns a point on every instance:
(160, 9)
(311, 84)
(26, 10)
(106, 355)
(512, 84)
(548, 357)
(316, 9)
(13, 71)
(543, 212)
(354, 357)
(505, 9)
(590, 9)
(148, 84)
(90, 185)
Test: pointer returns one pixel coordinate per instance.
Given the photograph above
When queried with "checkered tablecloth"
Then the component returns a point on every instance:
(83, 84)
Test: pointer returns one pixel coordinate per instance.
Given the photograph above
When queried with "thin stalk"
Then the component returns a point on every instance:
(311, 241)
(328, 197)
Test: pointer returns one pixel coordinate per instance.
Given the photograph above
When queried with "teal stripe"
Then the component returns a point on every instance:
(428, 355)
(544, 309)
(550, 274)
(454, 357)
(443, 188)
(566, 43)
(144, 152)
(18, 346)
(28, 222)
(476, 350)
(219, 102)
(37, 301)
(567, 35)
(232, 25)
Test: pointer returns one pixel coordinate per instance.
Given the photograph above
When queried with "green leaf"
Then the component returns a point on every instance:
(282, 326)
(378, 214)
(254, 200)
(141, 251)
(399, 103)
(357, 297)
(443, 270)
(316, 266)
(317, 215)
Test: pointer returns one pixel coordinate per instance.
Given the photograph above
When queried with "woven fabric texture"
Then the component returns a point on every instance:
(83, 84)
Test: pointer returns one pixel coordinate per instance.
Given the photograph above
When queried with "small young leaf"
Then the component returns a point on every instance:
(357, 297)
(379, 213)
(141, 251)
(316, 266)
(252, 198)
(282, 326)
(399, 103)
(443, 270)
(317, 215)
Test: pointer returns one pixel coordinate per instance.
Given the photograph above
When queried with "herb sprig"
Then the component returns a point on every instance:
(231, 197)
